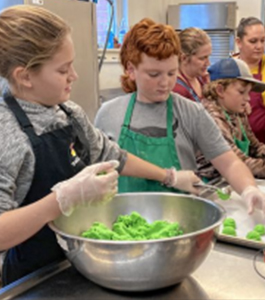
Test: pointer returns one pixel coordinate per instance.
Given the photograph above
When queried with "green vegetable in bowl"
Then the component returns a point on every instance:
(133, 227)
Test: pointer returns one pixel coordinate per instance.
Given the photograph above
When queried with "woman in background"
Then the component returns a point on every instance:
(226, 97)
(193, 62)
(250, 41)
(163, 127)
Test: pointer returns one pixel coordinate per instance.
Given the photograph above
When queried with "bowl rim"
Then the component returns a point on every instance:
(183, 236)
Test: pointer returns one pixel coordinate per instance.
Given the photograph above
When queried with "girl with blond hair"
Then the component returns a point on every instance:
(51, 154)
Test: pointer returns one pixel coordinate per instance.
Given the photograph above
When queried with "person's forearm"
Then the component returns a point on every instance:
(19, 224)
(234, 171)
(137, 167)
(239, 176)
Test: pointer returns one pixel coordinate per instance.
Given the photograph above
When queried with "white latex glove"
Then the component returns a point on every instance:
(254, 199)
(88, 186)
(182, 180)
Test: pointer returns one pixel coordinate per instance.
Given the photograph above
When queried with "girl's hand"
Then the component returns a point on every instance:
(94, 184)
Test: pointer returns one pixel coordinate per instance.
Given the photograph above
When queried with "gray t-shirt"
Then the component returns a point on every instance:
(17, 159)
(194, 129)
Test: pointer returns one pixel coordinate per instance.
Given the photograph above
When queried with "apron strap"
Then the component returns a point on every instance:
(21, 117)
(188, 87)
(240, 123)
(128, 115)
(79, 132)
(170, 116)
(127, 118)
(243, 131)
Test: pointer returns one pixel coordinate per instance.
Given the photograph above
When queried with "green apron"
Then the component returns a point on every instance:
(159, 151)
(243, 144)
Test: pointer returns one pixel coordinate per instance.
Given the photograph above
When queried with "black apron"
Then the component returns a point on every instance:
(59, 155)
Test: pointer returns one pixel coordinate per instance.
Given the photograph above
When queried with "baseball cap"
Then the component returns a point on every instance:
(234, 68)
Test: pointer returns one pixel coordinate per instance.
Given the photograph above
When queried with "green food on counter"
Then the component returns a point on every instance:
(253, 235)
(133, 228)
(229, 222)
(229, 230)
(221, 195)
(260, 228)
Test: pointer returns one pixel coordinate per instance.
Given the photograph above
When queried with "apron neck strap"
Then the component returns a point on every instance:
(170, 116)
(20, 115)
(127, 118)
(78, 131)
(187, 85)
(239, 120)
(66, 110)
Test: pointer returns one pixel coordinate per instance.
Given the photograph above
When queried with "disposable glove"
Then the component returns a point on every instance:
(94, 184)
(182, 180)
(254, 199)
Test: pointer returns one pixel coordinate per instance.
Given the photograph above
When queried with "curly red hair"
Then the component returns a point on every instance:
(153, 39)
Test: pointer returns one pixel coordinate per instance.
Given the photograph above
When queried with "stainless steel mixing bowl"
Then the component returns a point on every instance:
(141, 265)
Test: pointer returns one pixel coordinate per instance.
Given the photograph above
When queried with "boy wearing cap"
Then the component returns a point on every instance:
(226, 98)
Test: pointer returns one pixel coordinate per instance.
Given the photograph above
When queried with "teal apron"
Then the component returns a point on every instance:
(159, 151)
(243, 144)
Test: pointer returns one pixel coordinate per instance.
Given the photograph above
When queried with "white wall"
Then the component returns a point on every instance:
(157, 9)
(154, 9)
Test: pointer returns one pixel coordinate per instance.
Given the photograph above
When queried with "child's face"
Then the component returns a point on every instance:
(52, 83)
(235, 96)
(154, 78)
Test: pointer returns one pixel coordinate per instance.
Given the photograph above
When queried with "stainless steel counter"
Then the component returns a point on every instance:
(227, 273)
